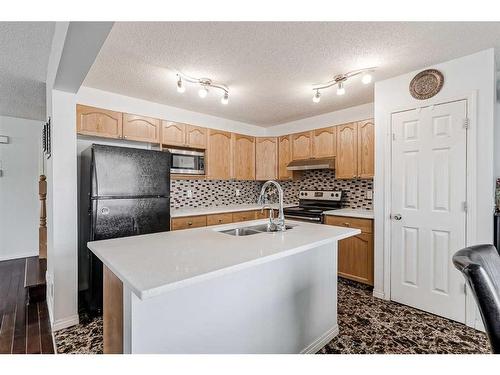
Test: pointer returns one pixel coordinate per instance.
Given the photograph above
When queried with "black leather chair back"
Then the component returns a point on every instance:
(480, 265)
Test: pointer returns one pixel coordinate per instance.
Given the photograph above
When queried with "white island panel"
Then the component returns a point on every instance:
(285, 306)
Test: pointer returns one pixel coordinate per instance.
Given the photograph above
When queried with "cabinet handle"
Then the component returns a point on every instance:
(125, 136)
(190, 223)
(220, 220)
(347, 225)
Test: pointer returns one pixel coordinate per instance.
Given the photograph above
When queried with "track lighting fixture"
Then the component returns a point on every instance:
(205, 84)
(340, 80)
(203, 92)
(180, 85)
(225, 98)
(317, 97)
(340, 88)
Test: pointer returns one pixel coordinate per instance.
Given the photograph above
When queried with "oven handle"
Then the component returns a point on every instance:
(303, 217)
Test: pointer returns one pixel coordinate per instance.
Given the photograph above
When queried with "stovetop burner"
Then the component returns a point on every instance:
(312, 204)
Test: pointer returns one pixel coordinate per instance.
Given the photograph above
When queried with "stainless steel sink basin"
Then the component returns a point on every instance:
(248, 231)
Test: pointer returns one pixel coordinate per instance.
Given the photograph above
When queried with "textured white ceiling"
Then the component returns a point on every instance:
(24, 55)
(269, 67)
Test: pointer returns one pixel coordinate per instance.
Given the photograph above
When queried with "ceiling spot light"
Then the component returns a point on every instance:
(180, 85)
(340, 89)
(317, 97)
(203, 92)
(204, 85)
(339, 81)
(367, 78)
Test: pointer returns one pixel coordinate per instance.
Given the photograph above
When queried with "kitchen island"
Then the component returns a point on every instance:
(205, 291)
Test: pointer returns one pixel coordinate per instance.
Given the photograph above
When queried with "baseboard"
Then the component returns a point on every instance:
(17, 256)
(321, 341)
(378, 294)
(65, 323)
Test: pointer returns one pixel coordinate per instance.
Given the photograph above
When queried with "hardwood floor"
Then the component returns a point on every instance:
(24, 328)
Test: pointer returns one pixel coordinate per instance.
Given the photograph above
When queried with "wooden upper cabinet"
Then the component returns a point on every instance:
(98, 122)
(346, 163)
(324, 142)
(141, 128)
(243, 157)
(173, 133)
(196, 137)
(219, 155)
(284, 157)
(266, 153)
(302, 145)
(366, 149)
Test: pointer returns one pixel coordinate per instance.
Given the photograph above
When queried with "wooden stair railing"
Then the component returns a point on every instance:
(42, 230)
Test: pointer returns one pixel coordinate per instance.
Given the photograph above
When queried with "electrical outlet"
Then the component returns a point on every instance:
(190, 194)
(237, 192)
(369, 194)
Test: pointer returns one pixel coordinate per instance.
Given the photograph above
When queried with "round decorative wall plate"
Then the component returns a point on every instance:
(426, 84)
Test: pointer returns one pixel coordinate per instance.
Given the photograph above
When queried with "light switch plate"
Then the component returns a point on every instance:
(237, 192)
(369, 194)
(4, 139)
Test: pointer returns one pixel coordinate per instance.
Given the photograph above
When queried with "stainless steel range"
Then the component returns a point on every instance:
(313, 203)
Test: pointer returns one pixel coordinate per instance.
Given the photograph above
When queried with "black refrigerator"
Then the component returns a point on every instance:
(123, 192)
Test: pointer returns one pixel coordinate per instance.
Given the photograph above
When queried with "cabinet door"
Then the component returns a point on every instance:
(266, 153)
(284, 157)
(188, 222)
(243, 157)
(140, 128)
(98, 122)
(196, 137)
(244, 216)
(173, 133)
(346, 163)
(219, 155)
(366, 149)
(355, 258)
(218, 219)
(324, 142)
(301, 145)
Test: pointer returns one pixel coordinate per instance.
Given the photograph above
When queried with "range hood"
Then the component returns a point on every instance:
(309, 164)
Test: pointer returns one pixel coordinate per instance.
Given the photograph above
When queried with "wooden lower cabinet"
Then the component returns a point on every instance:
(112, 313)
(189, 222)
(218, 219)
(355, 254)
(243, 216)
(198, 221)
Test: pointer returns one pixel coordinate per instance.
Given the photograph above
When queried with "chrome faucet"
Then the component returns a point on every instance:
(278, 225)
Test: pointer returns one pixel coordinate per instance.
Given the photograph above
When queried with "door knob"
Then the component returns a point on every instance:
(397, 217)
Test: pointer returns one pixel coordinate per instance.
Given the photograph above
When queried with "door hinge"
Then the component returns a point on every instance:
(466, 123)
(464, 206)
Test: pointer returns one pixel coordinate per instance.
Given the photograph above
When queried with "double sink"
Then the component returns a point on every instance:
(254, 229)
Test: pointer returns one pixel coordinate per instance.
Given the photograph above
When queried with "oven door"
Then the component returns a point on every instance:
(187, 162)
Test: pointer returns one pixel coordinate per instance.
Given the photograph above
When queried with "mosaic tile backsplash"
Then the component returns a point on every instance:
(201, 193)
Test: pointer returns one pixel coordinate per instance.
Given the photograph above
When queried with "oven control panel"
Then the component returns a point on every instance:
(321, 195)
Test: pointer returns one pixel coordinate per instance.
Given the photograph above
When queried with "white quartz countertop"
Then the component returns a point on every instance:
(152, 264)
(194, 211)
(350, 212)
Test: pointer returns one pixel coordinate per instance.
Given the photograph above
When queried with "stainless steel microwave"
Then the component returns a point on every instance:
(187, 162)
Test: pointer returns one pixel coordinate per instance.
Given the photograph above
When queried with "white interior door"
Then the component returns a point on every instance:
(428, 212)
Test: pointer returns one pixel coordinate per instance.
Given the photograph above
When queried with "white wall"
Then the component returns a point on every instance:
(122, 103)
(62, 248)
(19, 204)
(356, 113)
(465, 77)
